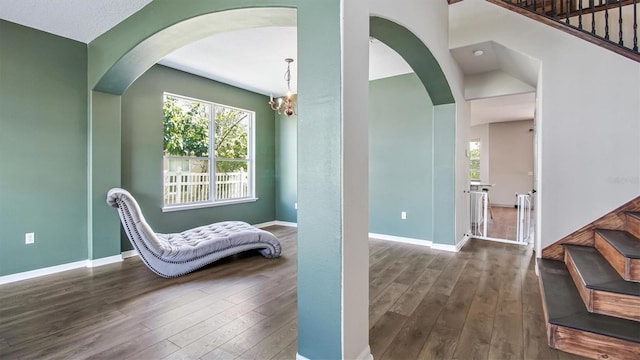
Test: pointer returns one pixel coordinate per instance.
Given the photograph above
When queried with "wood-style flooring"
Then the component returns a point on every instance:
(504, 223)
(481, 303)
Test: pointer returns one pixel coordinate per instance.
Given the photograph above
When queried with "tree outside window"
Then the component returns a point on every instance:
(474, 159)
(194, 130)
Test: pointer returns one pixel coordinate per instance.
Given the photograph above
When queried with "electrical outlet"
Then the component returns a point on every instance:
(29, 238)
(403, 215)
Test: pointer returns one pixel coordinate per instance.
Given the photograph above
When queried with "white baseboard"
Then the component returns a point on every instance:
(286, 223)
(66, 267)
(463, 241)
(401, 239)
(276, 222)
(364, 355)
(104, 261)
(42, 272)
(444, 247)
(129, 253)
(265, 224)
(428, 243)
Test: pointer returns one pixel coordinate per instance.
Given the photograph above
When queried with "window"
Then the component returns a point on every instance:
(474, 159)
(208, 153)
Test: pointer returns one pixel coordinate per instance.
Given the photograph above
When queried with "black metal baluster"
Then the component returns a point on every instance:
(554, 8)
(567, 10)
(533, 4)
(593, 16)
(580, 15)
(635, 27)
(606, 20)
(621, 42)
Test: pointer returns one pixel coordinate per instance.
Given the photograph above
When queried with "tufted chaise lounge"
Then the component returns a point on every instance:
(171, 255)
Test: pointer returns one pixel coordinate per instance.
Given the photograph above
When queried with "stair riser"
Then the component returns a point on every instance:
(629, 269)
(633, 226)
(618, 305)
(591, 345)
(602, 302)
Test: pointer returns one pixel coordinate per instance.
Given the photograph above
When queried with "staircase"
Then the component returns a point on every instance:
(612, 24)
(591, 298)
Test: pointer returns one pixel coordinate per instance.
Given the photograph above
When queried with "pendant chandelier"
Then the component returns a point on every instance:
(284, 104)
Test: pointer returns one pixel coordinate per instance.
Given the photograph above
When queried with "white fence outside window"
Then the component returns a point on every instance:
(186, 187)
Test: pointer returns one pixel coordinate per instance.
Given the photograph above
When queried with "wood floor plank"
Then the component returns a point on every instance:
(289, 352)
(250, 338)
(425, 304)
(441, 343)
(382, 303)
(215, 339)
(412, 336)
(273, 344)
(411, 298)
(505, 340)
(384, 331)
(475, 338)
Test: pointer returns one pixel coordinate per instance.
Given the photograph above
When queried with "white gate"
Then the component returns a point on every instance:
(523, 231)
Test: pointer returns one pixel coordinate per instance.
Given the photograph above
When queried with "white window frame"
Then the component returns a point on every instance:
(476, 140)
(251, 197)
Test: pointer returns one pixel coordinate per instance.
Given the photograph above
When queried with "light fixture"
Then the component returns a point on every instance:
(284, 104)
(478, 52)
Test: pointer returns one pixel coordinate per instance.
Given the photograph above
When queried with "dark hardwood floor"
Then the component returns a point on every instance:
(504, 223)
(482, 303)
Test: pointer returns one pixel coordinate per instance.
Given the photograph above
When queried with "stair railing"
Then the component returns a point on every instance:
(612, 24)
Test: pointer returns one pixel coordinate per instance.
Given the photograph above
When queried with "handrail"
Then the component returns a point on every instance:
(572, 17)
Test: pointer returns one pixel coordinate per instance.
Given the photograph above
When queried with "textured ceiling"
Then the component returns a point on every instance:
(254, 58)
(81, 20)
(503, 108)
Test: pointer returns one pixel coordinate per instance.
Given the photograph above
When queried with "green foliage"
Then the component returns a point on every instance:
(474, 157)
(186, 133)
(186, 128)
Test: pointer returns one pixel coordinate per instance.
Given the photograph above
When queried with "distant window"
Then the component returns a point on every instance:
(474, 159)
(208, 153)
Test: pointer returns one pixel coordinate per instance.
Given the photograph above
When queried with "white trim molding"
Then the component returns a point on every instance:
(66, 267)
(420, 242)
(365, 354)
(104, 261)
(405, 240)
(42, 272)
(276, 223)
(128, 254)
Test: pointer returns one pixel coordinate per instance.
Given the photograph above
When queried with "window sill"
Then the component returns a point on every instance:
(207, 204)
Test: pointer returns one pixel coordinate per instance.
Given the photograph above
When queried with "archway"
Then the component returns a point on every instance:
(121, 55)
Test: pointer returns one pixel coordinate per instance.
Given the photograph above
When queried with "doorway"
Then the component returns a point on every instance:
(501, 156)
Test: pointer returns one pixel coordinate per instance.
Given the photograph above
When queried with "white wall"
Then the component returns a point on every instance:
(494, 83)
(589, 116)
(511, 164)
(429, 21)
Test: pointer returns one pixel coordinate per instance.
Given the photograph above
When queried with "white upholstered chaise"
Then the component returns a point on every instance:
(171, 255)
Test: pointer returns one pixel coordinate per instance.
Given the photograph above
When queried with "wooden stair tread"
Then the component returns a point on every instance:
(565, 307)
(626, 244)
(596, 272)
(635, 214)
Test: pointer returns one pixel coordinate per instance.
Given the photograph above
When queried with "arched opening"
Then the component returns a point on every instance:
(123, 54)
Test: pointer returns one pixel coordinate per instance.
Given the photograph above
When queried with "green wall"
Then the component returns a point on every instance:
(286, 167)
(142, 148)
(43, 142)
(400, 157)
